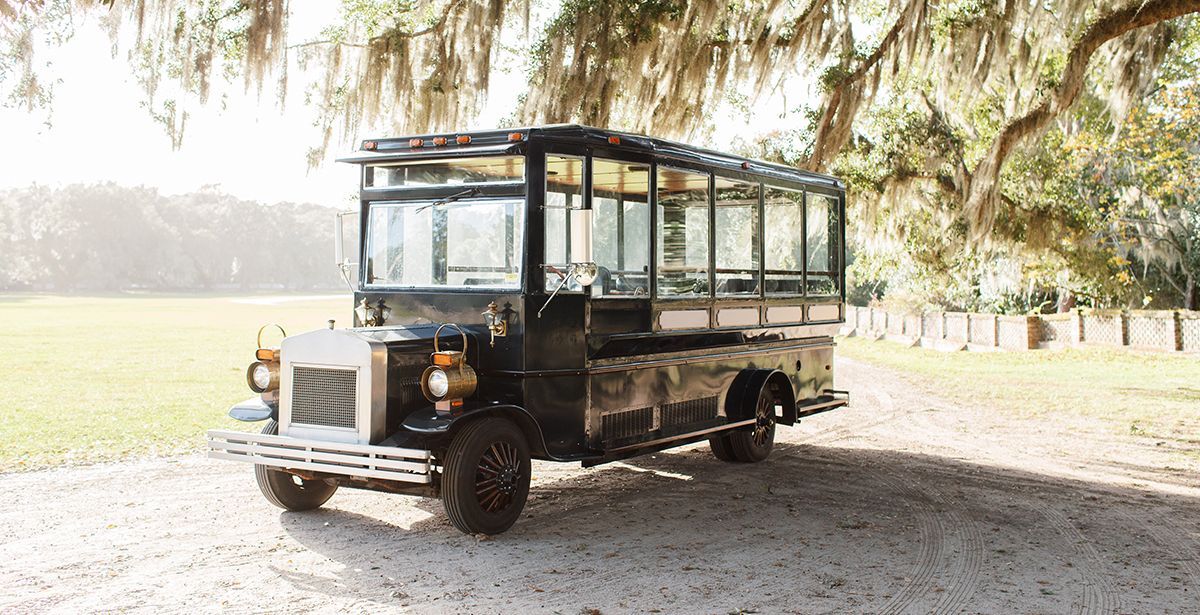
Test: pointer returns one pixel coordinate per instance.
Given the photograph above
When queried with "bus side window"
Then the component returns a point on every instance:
(822, 241)
(620, 223)
(784, 252)
(564, 191)
(737, 238)
(682, 233)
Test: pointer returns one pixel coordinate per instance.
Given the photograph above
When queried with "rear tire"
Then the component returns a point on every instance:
(486, 476)
(721, 447)
(755, 444)
(288, 491)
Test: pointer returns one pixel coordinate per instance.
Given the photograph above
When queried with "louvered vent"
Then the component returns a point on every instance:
(628, 423)
(324, 397)
(691, 411)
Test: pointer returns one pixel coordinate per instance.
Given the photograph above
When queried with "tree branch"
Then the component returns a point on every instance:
(436, 26)
(980, 207)
(841, 103)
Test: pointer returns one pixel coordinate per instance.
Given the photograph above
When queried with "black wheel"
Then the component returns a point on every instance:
(288, 491)
(754, 444)
(485, 476)
(722, 448)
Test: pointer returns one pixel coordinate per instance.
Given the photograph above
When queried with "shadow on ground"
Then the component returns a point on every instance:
(813, 529)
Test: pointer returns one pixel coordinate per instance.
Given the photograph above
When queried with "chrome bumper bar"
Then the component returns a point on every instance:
(359, 460)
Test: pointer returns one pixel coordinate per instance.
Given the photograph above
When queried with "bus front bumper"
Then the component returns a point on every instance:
(357, 460)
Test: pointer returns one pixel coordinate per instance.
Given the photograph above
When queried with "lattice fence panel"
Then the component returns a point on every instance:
(1152, 331)
(983, 329)
(1189, 329)
(1012, 332)
(851, 319)
(931, 325)
(862, 319)
(1059, 328)
(879, 320)
(1102, 328)
(912, 325)
(956, 327)
(895, 324)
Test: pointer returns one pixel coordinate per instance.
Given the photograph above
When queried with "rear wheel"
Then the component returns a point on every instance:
(486, 476)
(288, 491)
(754, 445)
(721, 447)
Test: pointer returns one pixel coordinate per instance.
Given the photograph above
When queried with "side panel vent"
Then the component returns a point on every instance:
(691, 411)
(325, 397)
(410, 392)
(628, 423)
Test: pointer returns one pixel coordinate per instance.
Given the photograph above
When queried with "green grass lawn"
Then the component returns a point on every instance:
(1153, 394)
(97, 378)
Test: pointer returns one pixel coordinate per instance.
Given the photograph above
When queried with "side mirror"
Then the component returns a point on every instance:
(339, 249)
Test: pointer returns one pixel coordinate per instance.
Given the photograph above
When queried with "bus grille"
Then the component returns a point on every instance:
(628, 423)
(326, 397)
(691, 411)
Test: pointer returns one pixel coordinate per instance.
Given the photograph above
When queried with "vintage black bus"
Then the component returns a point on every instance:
(561, 293)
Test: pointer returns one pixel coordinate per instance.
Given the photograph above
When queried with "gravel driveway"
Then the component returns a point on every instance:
(898, 504)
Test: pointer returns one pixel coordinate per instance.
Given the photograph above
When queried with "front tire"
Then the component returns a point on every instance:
(755, 444)
(486, 476)
(288, 491)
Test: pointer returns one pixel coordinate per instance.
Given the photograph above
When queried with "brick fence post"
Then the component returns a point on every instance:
(1177, 326)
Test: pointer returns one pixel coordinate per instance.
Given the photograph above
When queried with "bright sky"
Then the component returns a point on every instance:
(98, 131)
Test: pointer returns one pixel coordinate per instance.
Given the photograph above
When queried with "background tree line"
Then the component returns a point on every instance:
(105, 238)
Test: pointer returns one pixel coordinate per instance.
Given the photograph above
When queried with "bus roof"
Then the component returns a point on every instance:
(511, 140)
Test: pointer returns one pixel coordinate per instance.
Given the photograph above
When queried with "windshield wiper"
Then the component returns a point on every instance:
(450, 199)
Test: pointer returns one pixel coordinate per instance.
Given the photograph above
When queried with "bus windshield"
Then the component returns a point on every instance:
(459, 244)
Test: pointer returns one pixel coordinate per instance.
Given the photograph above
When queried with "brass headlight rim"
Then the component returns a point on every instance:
(272, 368)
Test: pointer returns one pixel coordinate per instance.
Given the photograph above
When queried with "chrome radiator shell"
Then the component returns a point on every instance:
(322, 373)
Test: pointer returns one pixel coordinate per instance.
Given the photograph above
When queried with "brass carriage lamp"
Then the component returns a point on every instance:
(495, 321)
(262, 376)
(449, 379)
(372, 316)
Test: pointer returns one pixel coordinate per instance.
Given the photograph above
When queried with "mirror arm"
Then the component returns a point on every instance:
(554, 294)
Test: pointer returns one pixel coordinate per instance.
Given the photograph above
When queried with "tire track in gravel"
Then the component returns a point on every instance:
(1169, 535)
(1097, 593)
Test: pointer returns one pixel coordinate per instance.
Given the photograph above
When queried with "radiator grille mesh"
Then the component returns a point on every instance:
(628, 423)
(324, 396)
(691, 411)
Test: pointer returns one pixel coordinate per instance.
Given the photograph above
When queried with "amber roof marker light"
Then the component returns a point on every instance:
(614, 140)
(516, 136)
(463, 140)
(416, 142)
(370, 145)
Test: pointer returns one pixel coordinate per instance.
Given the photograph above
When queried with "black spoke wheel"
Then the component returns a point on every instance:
(288, 491)
(486, 476)
(754, 444)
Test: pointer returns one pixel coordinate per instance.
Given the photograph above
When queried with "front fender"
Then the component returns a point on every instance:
(430, 422)
(253, 410)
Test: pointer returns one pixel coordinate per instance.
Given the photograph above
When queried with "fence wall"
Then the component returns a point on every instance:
(1171, 331)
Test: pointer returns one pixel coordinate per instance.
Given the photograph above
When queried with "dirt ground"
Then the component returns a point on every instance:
(898, 504)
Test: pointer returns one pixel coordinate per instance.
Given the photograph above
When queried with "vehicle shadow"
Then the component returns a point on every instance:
(813, 529)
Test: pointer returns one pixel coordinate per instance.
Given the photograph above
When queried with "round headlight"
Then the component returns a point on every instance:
(438, 383)
(260, 377)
